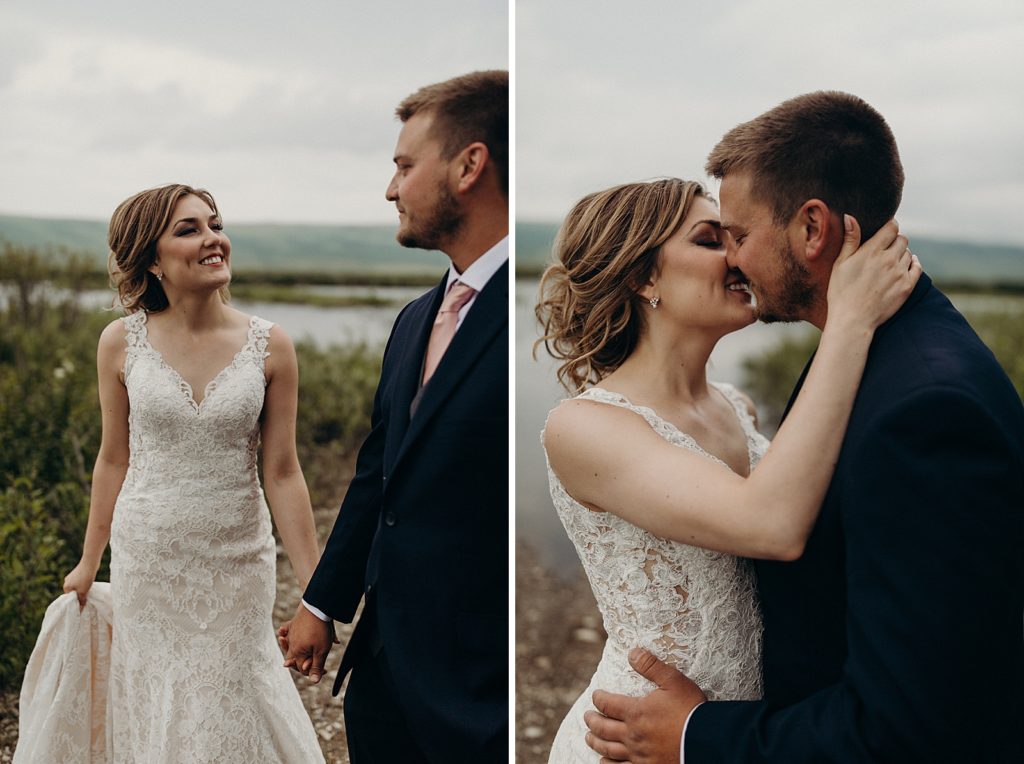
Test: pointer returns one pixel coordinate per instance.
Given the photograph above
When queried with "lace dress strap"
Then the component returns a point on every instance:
(739, 404)
(258, 339)
(134, 338)
(664, 428)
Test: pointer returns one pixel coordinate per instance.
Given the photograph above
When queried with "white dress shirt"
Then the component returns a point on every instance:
(682, 738)
(476, 276)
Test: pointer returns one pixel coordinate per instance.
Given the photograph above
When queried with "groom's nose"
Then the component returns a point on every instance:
(730, 253)
(391, 192)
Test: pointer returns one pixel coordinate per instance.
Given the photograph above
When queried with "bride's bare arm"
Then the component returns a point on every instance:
(111, 461)
(283, 480)
(610, 460)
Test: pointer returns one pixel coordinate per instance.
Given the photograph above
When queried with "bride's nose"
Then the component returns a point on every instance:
(213, 237)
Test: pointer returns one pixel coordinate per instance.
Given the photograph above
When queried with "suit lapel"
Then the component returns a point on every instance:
(410, 368)
(484, 320)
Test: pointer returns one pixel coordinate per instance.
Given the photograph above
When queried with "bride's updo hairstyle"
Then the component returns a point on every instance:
(605, 251)
(135, 226)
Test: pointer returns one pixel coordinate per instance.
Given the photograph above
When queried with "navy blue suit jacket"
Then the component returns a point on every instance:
(897, 637)
(423, 530)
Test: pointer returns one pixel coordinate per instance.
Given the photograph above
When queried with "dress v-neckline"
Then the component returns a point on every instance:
(691, 441)
(183, 385)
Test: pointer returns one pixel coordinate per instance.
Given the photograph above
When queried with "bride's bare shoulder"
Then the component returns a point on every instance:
(113, 335)
(578, 424)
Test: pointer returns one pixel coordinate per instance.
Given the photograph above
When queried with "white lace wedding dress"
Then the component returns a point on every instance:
(196, 674)
(693, 608)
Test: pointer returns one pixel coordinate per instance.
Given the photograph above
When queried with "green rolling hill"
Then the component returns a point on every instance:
(259, 247)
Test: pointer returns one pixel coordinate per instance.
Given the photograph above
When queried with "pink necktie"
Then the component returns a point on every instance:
(444, 326)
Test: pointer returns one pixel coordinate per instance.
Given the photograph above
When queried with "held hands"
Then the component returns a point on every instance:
(306, 641)
(79, 581)
(643, 730)
(871, 282)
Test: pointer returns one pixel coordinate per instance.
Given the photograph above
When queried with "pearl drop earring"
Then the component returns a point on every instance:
(654, 302)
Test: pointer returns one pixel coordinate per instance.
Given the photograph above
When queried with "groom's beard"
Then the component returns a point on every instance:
(441, 224)
(794, 296)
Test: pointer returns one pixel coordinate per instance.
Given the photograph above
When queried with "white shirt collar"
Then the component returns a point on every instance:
(479, 273)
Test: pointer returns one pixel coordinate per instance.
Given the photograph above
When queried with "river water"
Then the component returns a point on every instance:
(369, 325)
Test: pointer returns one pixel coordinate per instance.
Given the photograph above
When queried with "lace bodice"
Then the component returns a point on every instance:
(196, 673)
(693, 608)
(169, 427)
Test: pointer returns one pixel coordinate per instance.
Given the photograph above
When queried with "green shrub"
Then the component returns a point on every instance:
(769, 377)
(336, 388)
(1003, 332)
(33, 561)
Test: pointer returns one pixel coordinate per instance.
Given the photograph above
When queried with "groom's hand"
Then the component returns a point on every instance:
(307, 641)
(645, 730)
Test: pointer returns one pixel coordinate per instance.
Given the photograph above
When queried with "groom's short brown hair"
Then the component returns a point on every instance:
(466, 109)
(825, 145)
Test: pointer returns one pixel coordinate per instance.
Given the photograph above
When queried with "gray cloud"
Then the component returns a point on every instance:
(273, 107)
(605, 95)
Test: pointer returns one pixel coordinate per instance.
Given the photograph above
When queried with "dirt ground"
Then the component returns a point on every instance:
(559, 639)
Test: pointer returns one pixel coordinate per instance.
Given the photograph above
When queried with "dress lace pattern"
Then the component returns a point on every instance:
(196, 674)
(695, 609)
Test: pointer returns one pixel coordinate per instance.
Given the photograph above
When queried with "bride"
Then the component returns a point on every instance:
(652, 467)
(189, 387)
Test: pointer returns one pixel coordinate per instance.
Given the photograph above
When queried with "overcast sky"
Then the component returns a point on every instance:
(609, 92)
(283, 110)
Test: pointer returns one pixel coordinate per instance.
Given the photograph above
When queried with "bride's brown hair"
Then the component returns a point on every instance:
(135, 226)
(605, 251)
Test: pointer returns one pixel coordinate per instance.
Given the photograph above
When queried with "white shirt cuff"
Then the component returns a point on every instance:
(682, 738)
(318, 613)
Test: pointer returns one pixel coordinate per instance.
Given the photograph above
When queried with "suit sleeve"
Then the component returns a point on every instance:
(933, 517)
(336, 586)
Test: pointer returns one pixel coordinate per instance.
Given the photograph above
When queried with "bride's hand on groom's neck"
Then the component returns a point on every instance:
(644, 730)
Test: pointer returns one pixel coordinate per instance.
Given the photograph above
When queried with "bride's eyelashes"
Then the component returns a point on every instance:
(218, 226)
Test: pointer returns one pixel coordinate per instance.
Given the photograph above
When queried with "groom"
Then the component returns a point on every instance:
(897, 636)
(422, 535)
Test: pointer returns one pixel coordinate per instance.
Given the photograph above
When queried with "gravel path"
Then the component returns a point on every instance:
(559, 639)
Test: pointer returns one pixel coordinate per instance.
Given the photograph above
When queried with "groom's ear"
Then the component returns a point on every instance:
(469, 165)
(814, 234)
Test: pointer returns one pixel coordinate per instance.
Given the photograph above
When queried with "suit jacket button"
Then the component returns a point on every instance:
(389, 518)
